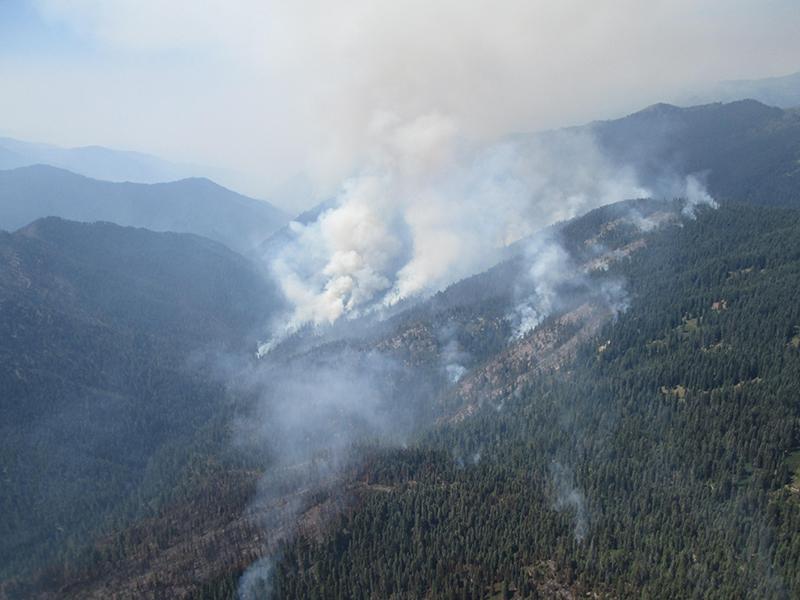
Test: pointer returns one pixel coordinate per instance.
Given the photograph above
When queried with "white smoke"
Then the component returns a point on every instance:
(311, 406)
(309, 418)
(462, 461)
(429, 210)
(455, 372)
(549, 267)
(453, 357)
(696, 195)
(568, 496)
(256, 582)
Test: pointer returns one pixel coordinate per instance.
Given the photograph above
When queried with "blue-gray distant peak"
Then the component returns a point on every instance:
(195, 205)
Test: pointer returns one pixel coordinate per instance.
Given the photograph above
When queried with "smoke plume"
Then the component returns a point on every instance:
(430, 210)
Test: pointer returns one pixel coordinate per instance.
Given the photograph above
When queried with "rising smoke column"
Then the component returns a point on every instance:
(431, 209)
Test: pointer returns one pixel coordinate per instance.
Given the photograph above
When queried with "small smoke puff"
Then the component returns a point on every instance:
(452, 355)
(455, 372)
(615, 295)
(256, 582)
(567, 496)
(696, 195)
(549, 266)
(642, 223)
(476, 456)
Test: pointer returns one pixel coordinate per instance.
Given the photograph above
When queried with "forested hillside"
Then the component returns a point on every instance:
(748, 151)
(203, 472)
(102, 330)
(659, 463)
(638, 438)
(656, 457)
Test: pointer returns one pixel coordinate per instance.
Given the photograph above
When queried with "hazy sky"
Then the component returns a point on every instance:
(281, 90)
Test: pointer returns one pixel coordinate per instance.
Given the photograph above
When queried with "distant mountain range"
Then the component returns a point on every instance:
(782, 91)
(99, 162)
(194, 205)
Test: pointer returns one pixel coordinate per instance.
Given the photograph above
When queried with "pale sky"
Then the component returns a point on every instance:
(282, 91)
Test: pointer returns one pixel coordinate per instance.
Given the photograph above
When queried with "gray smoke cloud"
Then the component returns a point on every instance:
(317, 406)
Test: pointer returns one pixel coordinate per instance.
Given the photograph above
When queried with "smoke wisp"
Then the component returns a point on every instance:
(567, 496)
(309, 415)
(552, 275)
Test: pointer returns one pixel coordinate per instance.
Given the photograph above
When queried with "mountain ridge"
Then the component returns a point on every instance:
(194, 205)
(98, 162)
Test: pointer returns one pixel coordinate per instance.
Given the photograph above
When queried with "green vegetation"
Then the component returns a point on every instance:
(665, 465)
(104, 417)
(682, 498)
(659, 459)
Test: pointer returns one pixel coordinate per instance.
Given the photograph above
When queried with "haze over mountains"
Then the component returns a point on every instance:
(196, 205)
(97, 162)
(782, 91)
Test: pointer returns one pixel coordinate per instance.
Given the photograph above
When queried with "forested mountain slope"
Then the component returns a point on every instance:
(101, 328)
(640, 438)
(196, 205)
(659, 462)
(749, 152)
(208, 477)
(656, 456)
